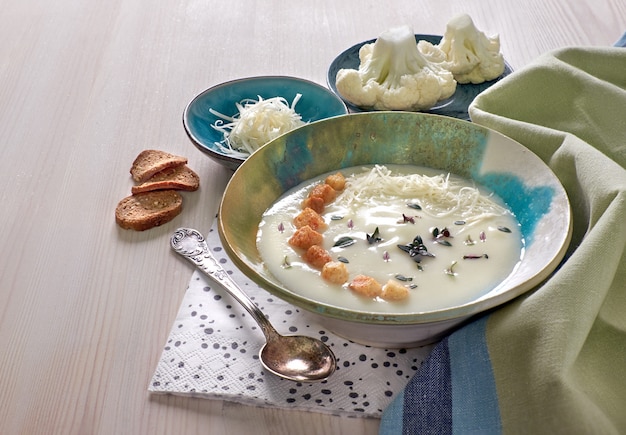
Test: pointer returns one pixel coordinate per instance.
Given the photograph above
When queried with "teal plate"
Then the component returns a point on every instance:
(455, 106)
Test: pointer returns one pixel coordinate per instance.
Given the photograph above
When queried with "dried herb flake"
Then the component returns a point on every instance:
(416, 249)
(374, 237)
(469, 241)
(406, 219)
(344, 242)
(450, 270)
(286, 264)
(475, 257)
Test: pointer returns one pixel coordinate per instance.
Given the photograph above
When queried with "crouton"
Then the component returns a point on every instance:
(310, 217)
(177, 177)
(317, 256)
(305, 237)
(146, 210)
(149, 162)
(324, 191)
(365, 286)
(336, 181)
(335, 272)
(315, 203)
(394, 291)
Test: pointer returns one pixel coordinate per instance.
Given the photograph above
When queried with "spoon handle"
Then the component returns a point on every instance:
(191, 244)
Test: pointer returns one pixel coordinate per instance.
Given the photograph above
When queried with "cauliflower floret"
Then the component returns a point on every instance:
(431, 52)
(394, 75)
(466, 52)
(427, 86)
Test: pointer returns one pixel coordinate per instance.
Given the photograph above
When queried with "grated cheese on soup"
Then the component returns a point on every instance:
(256, 123)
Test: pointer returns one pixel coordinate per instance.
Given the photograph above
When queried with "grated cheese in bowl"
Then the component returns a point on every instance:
(256, 123)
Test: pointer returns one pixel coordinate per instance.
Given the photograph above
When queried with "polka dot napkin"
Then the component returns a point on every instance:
(212, 352)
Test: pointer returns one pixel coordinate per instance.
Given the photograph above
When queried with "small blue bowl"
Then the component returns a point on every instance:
(316, 103)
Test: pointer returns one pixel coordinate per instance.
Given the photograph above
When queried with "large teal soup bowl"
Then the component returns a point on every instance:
(515, 174)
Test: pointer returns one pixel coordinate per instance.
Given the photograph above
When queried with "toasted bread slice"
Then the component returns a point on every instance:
(149, 209)
(178, 177)
(149, 162)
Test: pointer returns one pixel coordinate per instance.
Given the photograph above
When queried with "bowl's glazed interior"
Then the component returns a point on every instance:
(518, 176)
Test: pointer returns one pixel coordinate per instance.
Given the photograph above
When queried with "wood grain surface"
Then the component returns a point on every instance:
(85, 85)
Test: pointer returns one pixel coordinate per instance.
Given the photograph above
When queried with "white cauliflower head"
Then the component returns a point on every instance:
(466, 52)
(394, 75)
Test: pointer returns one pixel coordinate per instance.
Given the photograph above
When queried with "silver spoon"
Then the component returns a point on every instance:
(294, 357)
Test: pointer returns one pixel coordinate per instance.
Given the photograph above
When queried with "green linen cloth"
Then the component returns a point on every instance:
(559, 352)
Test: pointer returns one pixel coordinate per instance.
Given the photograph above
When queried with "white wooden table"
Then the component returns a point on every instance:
(85, 307)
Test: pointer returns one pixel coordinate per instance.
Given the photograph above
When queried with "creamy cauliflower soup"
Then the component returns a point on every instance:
(392, 238)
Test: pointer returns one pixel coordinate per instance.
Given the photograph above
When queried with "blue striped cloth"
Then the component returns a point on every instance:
(428, 406)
